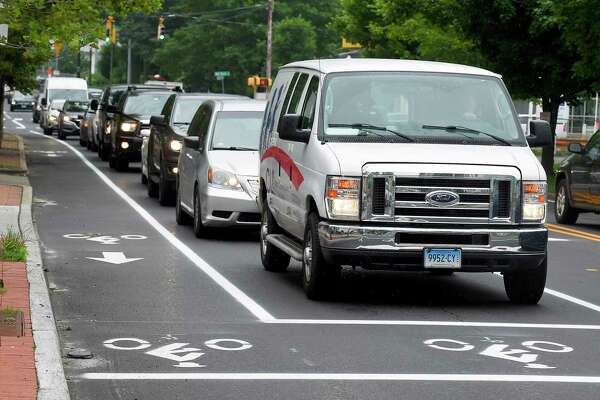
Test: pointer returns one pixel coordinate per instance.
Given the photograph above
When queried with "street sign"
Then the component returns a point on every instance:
(222, 74)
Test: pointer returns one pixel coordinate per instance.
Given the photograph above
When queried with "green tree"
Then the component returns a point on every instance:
(287, 47)
(34, 23)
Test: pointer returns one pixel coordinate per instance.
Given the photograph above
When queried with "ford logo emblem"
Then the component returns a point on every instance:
(442, 198)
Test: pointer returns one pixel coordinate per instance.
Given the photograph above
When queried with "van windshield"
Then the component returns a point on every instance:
(425, 108)
(67, 94)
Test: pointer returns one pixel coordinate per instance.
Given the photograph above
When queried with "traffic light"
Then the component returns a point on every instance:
(110, 21)
(265, 82)
(160, 32)
(113, 35)
(57, 48)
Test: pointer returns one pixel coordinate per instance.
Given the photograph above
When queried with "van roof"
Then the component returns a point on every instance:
(327, 66)
(62, 82)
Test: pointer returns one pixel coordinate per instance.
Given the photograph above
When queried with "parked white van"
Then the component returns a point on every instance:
(60, 88)
(405, 165)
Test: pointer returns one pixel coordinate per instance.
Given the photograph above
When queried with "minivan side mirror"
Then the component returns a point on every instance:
(539, 134)
(44, 102)
(575, 148)
(193, 142)
(94, 105)
(288, 129)
(158, 120)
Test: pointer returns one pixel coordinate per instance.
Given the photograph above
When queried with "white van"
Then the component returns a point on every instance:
(60, 88)
(405, 165)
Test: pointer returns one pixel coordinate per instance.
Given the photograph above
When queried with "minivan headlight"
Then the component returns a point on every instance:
(175, 145)
(534, 201)
(223, 179)
(342, 197)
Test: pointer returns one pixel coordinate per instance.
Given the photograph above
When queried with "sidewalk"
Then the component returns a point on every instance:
(30, 365)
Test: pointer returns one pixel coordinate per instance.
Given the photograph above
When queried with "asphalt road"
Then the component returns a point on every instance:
(175, 317)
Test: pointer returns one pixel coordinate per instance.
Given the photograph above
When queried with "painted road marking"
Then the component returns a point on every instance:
(114, 257)
(552, 239)
(573, 232)
(104, 239)
(294, 321)
(265, 376)
(252, 306)
(175, 351)
(503, 351)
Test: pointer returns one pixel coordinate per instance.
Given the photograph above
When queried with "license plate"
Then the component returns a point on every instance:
(442, 258)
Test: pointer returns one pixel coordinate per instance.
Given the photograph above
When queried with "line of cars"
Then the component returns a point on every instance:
(379, 164)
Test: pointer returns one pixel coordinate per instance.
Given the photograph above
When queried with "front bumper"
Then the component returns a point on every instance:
(134, 150)
(70, 129)
(401, 248)
(227, 208)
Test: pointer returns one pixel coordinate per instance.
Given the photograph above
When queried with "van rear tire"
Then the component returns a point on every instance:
(273, 259)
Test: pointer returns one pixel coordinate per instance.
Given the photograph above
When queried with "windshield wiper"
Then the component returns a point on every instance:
(469, 130)
(181, 123)
(240, 148)
(372, 127)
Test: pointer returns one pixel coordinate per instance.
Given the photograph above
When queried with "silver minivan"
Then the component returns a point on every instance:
(217, 182)
(405, 165)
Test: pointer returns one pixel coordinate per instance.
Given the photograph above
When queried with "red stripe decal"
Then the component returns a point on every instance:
(286, 162)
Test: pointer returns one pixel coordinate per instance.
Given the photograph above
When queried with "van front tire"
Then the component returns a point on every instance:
(526, 287)
(318, 277)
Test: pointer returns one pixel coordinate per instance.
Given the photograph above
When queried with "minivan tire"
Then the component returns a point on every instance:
(199, 229)
(527, 286)
(273, 259)
(563, 212)
(181, 216)
(318, 277)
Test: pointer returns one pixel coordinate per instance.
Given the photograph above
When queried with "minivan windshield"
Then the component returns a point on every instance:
(237, 130)
(75, 106)
(145, 104)
(67, 94)
(184, 111)
(419, 107)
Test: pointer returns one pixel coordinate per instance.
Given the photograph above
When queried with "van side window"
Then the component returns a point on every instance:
(288, 95)
(310, 103)
(293, 108)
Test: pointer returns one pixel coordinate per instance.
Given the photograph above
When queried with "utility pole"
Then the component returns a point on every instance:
(270, 5)
(78, 70)
(129, 61)
(112, 54)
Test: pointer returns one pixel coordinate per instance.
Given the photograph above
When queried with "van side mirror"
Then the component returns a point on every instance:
(575, 148)
(192, 142)
(94, 105)
(158, 120)
(539, 134)
(288, 129)
(44, 102)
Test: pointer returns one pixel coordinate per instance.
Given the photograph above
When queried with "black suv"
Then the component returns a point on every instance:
(131, 120)
(110, 97)
(578, 182)
(166, 136)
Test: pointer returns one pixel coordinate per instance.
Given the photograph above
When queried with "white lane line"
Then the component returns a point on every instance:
(552, 239)
(15, 121)
(252, 306)
(293, 321)
(340, 377)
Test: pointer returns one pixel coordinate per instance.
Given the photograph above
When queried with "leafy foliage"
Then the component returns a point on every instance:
(12, 246)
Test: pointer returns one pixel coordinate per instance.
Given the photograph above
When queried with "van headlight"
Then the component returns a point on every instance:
(223, 179)
(175, 145)
(534, 201)
(342, 197)
(129, 126)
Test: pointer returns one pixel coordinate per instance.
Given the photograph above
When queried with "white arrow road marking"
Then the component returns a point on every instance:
(170, 352)
(16, 122)
(114, 257)
(503, 352)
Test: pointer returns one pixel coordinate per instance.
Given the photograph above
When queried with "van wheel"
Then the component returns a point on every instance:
(563, 212)
(318, 277)
(526, 287)
(199, 229)
(181, 216)
(273, 259)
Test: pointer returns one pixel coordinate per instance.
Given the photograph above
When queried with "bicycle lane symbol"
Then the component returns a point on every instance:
(185, 357)
(104, 239)
(503, 351)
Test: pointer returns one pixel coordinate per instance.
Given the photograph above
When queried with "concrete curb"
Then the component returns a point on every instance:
(52, 384)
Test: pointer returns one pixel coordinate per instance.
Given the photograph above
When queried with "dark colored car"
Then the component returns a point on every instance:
(95, 94)
(110, 97)
(131, 118)
(69, 118)
(166, 136)
(578, 182)
(21, 101)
